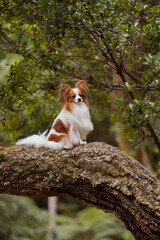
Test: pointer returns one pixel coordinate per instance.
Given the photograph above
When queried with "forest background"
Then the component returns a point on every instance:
(114, 46)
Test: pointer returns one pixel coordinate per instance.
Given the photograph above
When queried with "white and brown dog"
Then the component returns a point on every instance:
(71, 126)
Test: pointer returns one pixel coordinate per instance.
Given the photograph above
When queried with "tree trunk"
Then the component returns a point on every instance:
(52, 209)
(96, 173)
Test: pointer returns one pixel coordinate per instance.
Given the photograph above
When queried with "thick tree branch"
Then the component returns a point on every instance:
(98, 174)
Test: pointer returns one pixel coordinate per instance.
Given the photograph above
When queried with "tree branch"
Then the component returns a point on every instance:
(96, 173)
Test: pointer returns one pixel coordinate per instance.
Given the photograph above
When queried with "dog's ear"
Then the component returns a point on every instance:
(64, 92)
(81, 85)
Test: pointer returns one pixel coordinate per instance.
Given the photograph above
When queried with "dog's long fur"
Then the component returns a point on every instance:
(71, 126)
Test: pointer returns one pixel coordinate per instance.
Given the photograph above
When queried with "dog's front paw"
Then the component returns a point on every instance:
(83, 142)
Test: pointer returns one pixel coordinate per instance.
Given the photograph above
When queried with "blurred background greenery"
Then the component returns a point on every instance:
(22, 219)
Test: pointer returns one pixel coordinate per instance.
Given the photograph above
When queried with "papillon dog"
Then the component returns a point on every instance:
(71, 126)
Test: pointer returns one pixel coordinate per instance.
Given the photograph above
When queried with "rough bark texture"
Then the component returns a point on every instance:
(96, 173)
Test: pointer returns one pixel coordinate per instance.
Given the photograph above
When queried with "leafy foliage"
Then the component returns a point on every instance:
(20, 219)
(68, 40)
(91, 224)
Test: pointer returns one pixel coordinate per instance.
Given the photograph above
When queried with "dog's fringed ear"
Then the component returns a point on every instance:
(81, 84)
(84, 89)
(64, 92)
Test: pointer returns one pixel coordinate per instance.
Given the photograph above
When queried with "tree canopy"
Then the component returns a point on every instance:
(57, 41)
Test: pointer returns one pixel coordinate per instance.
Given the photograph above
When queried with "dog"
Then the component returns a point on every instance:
(71, 126)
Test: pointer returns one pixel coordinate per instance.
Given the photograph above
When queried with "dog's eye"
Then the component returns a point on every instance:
(73, 96)
(80, 95)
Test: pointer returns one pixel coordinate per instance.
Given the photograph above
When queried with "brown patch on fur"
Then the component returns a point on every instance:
(56, 138)
(83, 90)
(70, 99)
(60, 127)
(69, 106)
(67, 97)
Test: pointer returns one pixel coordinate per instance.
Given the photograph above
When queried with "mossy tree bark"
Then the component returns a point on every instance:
(96, 173)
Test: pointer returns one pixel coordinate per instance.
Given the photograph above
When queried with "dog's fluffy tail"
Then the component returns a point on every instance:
(40, 141)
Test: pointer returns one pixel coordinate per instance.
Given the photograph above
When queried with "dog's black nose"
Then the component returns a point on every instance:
(79, 99)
